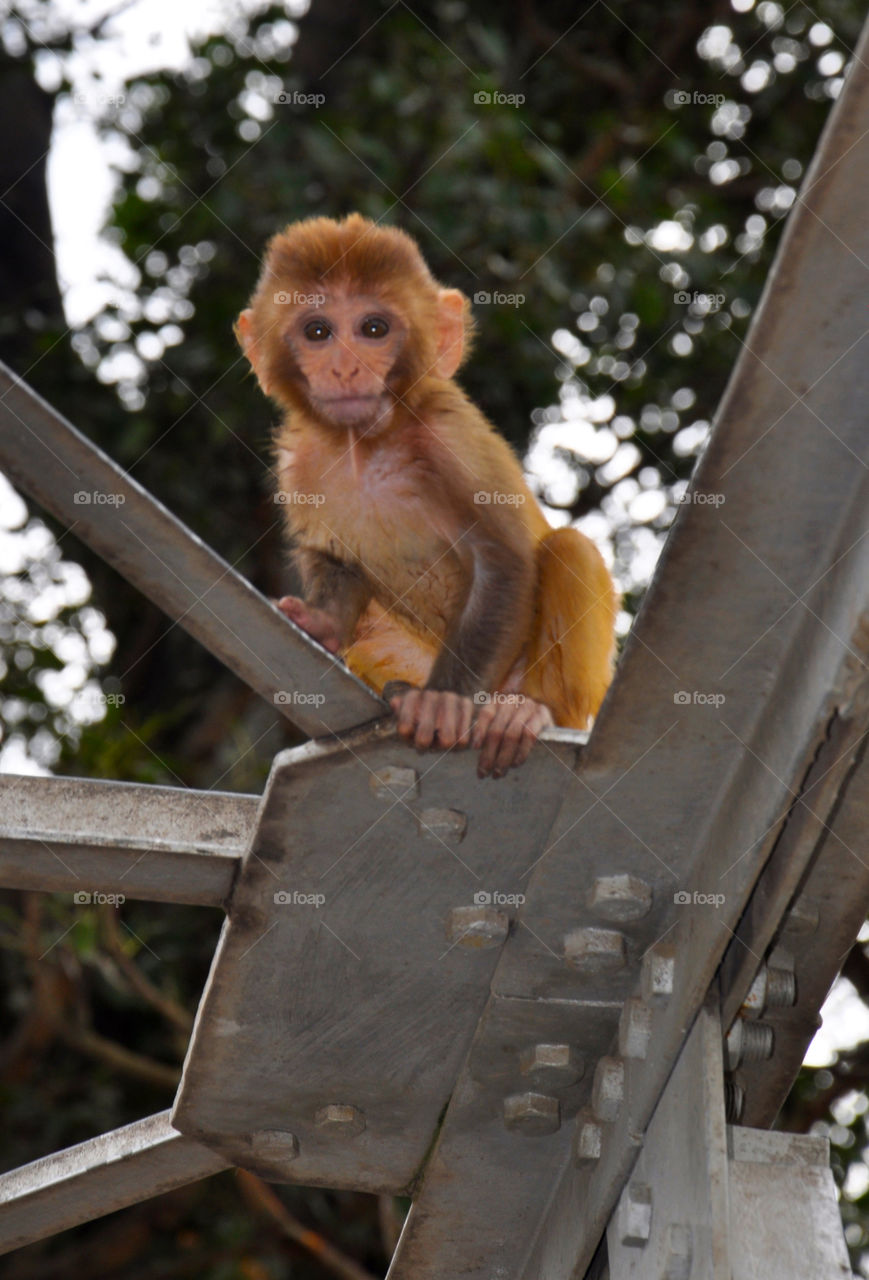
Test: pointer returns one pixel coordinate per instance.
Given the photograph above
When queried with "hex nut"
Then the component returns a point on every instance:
(658, 974)
(477, 928)
(620, 898)
(394, 782)
(634, 1219)
(678, 1252)
(555, 1065)
(587, 1138)
(748, 1042)
(608, 1089)
(772, 988)
(340, 1118)
(274, 1145)
(443, 826)
(534, 1114)
(595, 950)
(635, 1028)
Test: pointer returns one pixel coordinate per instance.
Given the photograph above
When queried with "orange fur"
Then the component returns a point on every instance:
(384, 458)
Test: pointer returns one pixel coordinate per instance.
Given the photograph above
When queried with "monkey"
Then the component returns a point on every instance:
(426, 563)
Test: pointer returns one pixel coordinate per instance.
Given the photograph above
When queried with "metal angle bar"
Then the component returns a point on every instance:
(163, 844)
(96, 1177)
(357, 954)
(827, 916)
(102, 505)
(717, 711)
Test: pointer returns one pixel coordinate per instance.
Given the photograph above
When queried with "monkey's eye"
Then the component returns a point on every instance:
(317, 331)
(374, 327)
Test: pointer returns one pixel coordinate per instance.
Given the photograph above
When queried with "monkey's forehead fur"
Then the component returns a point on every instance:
(353, 250)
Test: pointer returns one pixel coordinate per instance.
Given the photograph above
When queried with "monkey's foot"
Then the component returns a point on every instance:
(319, 625)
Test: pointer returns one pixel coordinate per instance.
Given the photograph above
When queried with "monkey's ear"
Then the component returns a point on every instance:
(452, 310)
(243, 330)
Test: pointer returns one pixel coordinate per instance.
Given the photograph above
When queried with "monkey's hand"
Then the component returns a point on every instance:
(430, 717)
(505, 731)
(319, 624)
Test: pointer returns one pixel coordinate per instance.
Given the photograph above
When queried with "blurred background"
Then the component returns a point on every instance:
(607, 182)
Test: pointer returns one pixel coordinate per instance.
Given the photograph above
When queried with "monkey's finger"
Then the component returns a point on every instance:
(495, 730)
(426, 718)
(532, 718)
(406, 713)
(483, 718)
(453, 721)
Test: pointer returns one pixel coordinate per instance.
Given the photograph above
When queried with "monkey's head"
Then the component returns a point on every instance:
(347, 321)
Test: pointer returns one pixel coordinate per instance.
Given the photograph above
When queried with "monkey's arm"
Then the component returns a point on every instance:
(336, 593)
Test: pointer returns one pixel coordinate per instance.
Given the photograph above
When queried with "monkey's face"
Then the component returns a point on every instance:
(345, 355)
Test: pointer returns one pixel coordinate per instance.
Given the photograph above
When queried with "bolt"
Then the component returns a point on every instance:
(635, 1215)
(394, 782)
(534, 1114)
(551, 1064)
(734, 1101)
(277, 1146)
(748, 1042)
(340, 1118)
(658, 974)
(678, 1253)
(620, 898)
(608, 1088)
(635, 1027)
(477, 928)
(594, 950)
(772, 988)
(802, 919)
(445, 826)
(587, 1138)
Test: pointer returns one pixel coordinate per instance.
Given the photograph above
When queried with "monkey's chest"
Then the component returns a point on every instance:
(393, 534)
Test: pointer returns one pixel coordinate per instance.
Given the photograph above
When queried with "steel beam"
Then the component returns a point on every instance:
(104, 507)
(96, 1177)
(164, 844)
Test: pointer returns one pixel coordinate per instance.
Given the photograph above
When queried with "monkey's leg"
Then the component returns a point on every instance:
(569, 657)
(384, 649)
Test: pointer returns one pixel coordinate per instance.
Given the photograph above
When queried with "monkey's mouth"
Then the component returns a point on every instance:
(352, 409)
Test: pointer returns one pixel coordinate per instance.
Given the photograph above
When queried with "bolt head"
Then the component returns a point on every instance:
(620, 898)
(274, 1145)
(635, 1028)
(394, 782)
(551, 1064)
(443, 826)
(658, 974)
(477, 928)
(587, 1139)
(534, 1114)
(340, 1118)
(634, 1219)
(595, 950)
(608, 1089)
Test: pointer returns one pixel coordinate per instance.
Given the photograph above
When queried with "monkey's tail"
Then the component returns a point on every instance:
(572, 647)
